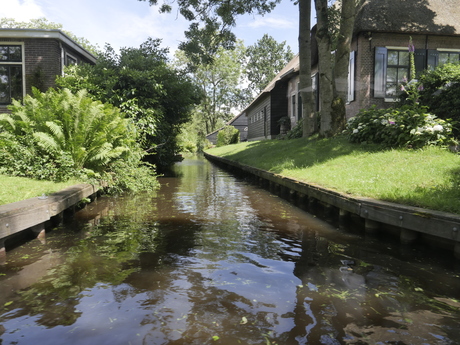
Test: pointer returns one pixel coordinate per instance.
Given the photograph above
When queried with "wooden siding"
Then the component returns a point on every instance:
(279, 107)
(257, 127)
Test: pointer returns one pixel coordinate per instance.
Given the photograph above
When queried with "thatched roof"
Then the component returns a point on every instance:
(410, 16)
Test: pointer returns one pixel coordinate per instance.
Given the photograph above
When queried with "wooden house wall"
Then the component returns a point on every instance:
(258, 128)
(278, 107)
(241, 124)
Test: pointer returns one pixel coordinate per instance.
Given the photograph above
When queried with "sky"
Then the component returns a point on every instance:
(128, 23)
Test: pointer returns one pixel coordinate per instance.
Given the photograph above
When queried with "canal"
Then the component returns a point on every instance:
(211, 259)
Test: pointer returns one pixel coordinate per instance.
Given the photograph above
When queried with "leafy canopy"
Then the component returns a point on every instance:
(142, 83)
(264, 60)
(212, 21)
(70, 134)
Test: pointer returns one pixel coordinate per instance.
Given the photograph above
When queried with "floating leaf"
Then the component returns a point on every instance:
(215, 337)
(418, 289)
(244, 320)
(8, 303)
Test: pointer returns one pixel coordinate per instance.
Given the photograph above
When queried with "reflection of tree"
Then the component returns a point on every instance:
(252, 270)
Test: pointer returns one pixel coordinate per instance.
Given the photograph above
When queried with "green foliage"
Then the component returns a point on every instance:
(219, 83)
(296, 132)
(400, 127)
(227, 136)
(60, 122)
(157, 97)
(264, 60)
(440, 92)
(59, 135)
(211, 23)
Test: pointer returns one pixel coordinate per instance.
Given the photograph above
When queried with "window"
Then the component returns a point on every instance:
(70, 60)
(11, 76)
(448, 57)
(293, 108)
(392, 67)
(315, 91)
(351, 77)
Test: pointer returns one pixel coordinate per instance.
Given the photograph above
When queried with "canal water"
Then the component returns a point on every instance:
(211, 259)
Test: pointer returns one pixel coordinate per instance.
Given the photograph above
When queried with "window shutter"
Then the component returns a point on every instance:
(420, 61)
(351, 77)
(380, 72)
(432, 59)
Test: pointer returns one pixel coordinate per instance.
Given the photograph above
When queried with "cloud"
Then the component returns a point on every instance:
(20, 10)
(272, 22)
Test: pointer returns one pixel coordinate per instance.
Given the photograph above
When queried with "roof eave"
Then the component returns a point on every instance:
(47, 33)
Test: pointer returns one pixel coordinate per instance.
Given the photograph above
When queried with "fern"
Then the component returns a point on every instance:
(46, 141)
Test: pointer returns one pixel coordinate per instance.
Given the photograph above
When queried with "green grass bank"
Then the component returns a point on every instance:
(427, 178)
(20, 188)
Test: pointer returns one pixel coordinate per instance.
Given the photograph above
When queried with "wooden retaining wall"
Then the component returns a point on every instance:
(412, 222)
(35, 213)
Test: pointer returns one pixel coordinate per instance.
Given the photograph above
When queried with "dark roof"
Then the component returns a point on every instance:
(410, 16)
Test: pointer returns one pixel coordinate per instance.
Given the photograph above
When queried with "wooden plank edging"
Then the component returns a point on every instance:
(440, 224)
(18, 216)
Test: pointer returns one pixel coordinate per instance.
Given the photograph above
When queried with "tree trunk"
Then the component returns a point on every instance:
(342, 55)
(325, 67)
(305, 89)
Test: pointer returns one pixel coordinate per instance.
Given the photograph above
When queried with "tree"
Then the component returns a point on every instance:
(43, 23)
(218, 14)
(334, 33)
(142, 83)
(264, 60)
(219, 82)
(212, 20)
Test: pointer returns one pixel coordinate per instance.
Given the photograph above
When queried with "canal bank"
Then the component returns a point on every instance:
(410, 223)
(36, 214)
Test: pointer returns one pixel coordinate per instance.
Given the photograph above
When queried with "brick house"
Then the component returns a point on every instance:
(379, 60)
(34, 57)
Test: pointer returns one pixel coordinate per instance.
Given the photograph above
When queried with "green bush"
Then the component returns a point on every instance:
(59, 135)
(296, 132)
(400, 127)
(228, 135)
(440, 92)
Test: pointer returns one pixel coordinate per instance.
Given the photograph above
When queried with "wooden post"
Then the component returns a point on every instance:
(39, 231)
(408, 236)
(371, 227)
(2, 252)
(457, 250)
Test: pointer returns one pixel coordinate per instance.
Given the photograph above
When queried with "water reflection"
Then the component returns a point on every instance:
(209, 259)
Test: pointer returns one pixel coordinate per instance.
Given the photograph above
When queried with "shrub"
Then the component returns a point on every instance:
(228, 135)
(59, 135)
(296, 131)
(406, 126)
(441, 92)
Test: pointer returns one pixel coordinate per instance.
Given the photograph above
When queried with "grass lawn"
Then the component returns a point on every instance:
(19, 188)
(427, 178)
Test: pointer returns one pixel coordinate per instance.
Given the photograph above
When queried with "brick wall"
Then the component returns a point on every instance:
(42, 63)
